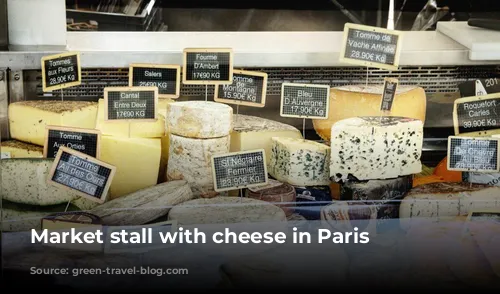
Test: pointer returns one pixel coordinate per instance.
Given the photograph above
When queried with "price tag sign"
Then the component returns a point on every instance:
(207, 66)
(166, 77)
(138, 239)
(371, 46)
(87, 176)
(479, 87)
(473, 154)
(390, 86)
(130, 103)
(305, 100)
(477, 115)
(238, 170)
(84, 140)
(248, 88)
(61, 71)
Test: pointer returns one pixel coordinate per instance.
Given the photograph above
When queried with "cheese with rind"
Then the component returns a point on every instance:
(252, 132)
(375, 147)
(299, 162)
(18, 149)
(24, 181)
(165, 140)
(199, 119)
(361, 100)
(133, 129)
(28, 119)
(137, 162)
(190, 160)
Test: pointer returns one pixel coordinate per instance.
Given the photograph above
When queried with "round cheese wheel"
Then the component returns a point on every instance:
(225, 210)
(275, 192)
(360, 100)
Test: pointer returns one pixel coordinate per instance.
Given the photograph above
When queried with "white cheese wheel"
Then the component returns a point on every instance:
(199, 119)
(374, 147)
(300, 162)
(190, 160)
(361, 100)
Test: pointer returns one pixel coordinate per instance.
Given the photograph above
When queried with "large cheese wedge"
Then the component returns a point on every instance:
(252, 132)
(374, 147)
(18, 149)
(199, 119)
(24, 181)
(360, 100)
(19, 217)
(27, 119)
(190, 160)
(139, 129)
(441, 200)
(137, 162)
(300, 162)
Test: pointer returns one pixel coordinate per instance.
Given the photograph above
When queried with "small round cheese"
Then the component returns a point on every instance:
(199, 119)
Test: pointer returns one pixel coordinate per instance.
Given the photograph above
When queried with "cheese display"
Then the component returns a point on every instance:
(137, 162)
(24, 181)
(369, 148)
(145, 205)
(28, 119)
(225, 210)
(360, 100)
(134, 129)
(165, 139)
(310, 200)
(448, 200)
(17, 149)
(345, 215)
(275, 192)
(252, 132)
(492, 179)
(21, 217)
(299, 162)
(199, 119)
(190, 160)
(376, 189)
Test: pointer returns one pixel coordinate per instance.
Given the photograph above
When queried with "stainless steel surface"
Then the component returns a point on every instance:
(4, 102)
(252, 49)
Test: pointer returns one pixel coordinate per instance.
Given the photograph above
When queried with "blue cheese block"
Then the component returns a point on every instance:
(491, 179)
(310, 200)
(373, 148)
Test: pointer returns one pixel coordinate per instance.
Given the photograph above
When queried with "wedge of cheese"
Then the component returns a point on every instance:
(137, 162)
(252, 132)
(200, 119)
(18, 149)
(360, 100)
(139, 129)
(27, 119)
(24, 181)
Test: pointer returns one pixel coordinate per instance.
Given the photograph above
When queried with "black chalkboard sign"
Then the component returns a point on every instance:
(238, 170)
(138, 239)
(85, 175)
(371, 46)
(84, 140)
(61, 71)
(166, 77)
(208, 66)
(390, 86)
(473, 154)
(477, 115)
(131, 103)
(479, 87)
(248, 88)
(305, 100)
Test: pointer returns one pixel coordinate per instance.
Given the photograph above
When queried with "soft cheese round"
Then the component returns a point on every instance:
(225, 210)
(360, 100)
(199, 119)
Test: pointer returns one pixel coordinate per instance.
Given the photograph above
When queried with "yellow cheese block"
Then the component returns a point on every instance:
(139, 129)
(137, 162)
(353, 101)
(17, 149)
(27, 119)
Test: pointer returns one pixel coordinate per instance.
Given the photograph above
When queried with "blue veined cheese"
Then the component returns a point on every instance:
(299, 162)
(373, 147)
